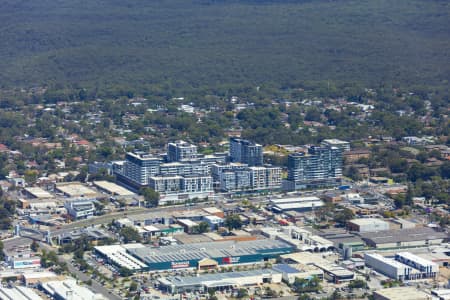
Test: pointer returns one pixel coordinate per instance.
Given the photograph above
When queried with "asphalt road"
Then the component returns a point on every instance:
(96, 286)
(105, 219)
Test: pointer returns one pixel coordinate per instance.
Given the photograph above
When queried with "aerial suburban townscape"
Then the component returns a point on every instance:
(211, 149)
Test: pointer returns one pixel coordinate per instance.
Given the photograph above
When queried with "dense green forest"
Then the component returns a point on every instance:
(161, 45)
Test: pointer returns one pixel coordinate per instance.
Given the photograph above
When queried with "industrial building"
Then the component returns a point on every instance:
(75, 189)
(391, 268)
(219, 281)
(113, 189)
(367, 225)
(335, 273)
(214, 222)
(440, 255)
(291, 272)
(69, 290)
(37, 192)
(401, 293)
(201, 255)
(299, 204)
(399, 223)
(299, 238)
(117, 255)
(427, 268)
(21, 257)
(342, 239)
(18, 293)
(187, 224)
(403, 238)
(331, 272)
(405, 266)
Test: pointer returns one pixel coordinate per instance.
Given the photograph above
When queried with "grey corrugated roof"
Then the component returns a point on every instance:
(203, 250)
(403, 235)
(202, 279)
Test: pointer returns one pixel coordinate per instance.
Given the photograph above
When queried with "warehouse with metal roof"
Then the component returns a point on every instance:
(221, 253)
(177, 284)
(295, 204)
(18, 293)
(118, 255)
(113, 189)
(403, 238)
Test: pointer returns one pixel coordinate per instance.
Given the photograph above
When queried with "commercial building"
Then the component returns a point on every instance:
(219, 281)
(403, 238)
(319, 167)
(401, 293)
(181, 150)
(221, 253)
(244, 151)
(367, 225)
(80, 208)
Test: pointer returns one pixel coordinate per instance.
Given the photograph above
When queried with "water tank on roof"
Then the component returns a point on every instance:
(348, 252)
